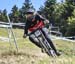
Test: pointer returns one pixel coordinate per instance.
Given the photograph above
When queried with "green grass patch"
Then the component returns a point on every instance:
(28, 53)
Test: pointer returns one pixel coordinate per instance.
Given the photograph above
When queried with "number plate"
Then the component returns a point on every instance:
(37, 33)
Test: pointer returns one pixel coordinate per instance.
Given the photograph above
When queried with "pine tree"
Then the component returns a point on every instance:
(14, 15)
(27, 5)
(48, 9)
(3, 15)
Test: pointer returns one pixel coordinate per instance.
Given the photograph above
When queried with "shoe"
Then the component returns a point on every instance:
(58, 54)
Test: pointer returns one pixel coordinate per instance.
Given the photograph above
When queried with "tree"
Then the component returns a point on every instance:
(62, 12)
(71, 25)
(27, 5)
(48, 9)
(14, 15)
(70, 2)
(0, 15)
(67, 15)
(58, 13)
(3, 15)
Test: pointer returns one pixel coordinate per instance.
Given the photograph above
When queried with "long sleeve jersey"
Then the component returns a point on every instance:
(31, 22)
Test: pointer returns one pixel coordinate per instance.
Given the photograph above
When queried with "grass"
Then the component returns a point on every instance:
(28, 53)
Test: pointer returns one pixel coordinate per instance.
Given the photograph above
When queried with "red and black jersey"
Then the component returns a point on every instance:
(33, 23)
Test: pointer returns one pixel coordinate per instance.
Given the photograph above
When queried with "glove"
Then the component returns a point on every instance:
(24, 36)
(47, 21)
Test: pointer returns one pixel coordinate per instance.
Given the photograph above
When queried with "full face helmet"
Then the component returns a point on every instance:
(30, 11)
